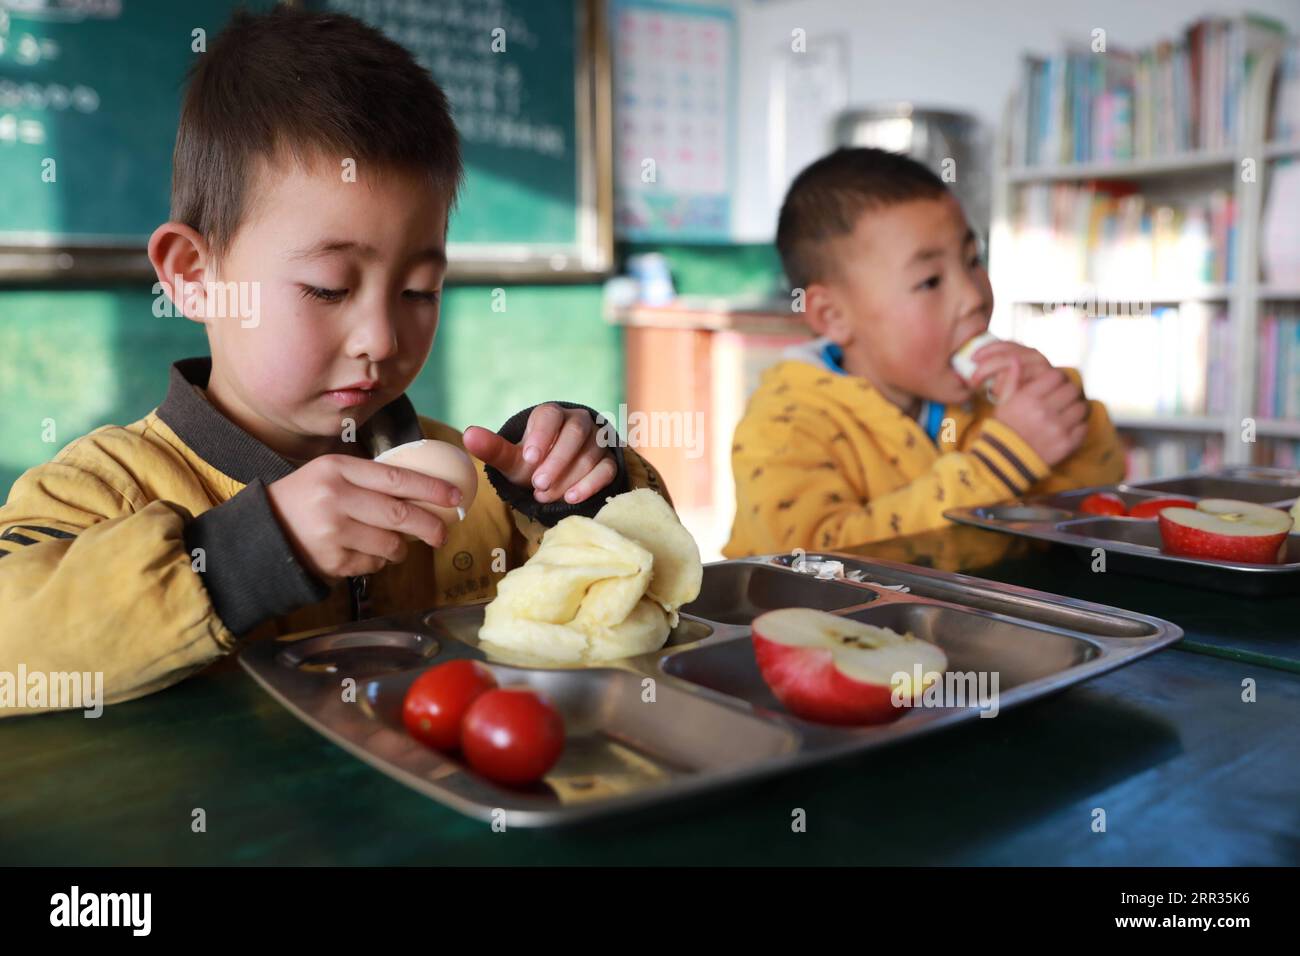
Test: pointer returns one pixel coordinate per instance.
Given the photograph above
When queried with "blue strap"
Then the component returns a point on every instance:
(932, 415)
(833, 358)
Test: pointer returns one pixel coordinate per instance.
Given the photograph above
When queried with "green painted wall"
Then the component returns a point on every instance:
(550, 342)
(720, 269)
(82, 358)
(85, 358)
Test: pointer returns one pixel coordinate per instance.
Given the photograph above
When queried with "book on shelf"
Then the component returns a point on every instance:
(1078, 233)
(1277, 453)
(1284, 126)
(1169, 363)
(1152, 456)
(1279, 243)
(1174, 96)
(1278, 383)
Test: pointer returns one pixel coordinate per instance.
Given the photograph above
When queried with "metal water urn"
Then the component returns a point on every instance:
(929, 136)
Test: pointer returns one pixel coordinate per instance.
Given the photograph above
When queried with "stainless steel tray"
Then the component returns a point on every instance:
(713, 721)
(1132, 545)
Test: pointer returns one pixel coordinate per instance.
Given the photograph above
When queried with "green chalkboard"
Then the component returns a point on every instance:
(89, 95)
(90, 92)
(522, 77)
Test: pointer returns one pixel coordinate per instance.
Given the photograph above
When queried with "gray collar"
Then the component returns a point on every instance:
(231, 450)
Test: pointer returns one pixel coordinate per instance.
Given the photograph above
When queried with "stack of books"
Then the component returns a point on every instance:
(1111, 105)
(1078, 234)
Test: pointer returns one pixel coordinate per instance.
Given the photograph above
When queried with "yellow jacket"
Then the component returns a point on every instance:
(147, 552)
(823, 461)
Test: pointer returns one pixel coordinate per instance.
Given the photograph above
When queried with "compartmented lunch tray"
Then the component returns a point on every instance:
(712, 722)
(1132, 545)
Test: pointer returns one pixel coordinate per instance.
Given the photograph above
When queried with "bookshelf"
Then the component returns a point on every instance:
(1134, 169)
(1278, 428)
(1174, 423)
(1187, 175)
(1281, 150)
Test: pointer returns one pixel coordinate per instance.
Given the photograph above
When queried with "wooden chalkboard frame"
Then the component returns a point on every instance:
(48, 258)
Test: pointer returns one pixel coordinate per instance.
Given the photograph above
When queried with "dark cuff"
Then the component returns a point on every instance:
(251, 571)
(521, 499)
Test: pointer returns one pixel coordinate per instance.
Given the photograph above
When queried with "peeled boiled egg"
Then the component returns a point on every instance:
(441, 460)
(964, 365)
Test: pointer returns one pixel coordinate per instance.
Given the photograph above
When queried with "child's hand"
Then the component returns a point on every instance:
(559, 455)
(1007, 364)
(345, 516)
(1048, 411)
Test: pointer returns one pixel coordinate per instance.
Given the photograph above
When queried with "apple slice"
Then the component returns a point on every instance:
(1103, 503)
(836, 670)
(1153, 506)
(1225, 530)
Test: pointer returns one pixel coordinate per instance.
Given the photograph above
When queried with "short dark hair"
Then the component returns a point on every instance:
(827, 198)
(296, 83)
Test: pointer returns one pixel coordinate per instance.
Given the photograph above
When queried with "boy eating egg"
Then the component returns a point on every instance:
(316, 164)
(868, 432)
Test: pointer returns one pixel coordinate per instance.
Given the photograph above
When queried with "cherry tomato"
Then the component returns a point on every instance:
(512, 735)
(1153, 507)
(436, 703)
(1103, 504)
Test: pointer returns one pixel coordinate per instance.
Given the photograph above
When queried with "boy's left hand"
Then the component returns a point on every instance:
(558, 457)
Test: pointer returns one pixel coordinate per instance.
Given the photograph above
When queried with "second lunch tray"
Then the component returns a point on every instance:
(1132, 545)
(712, 721)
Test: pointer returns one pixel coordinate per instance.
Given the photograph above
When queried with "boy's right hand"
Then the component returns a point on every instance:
(345, 516)
(1048, 412)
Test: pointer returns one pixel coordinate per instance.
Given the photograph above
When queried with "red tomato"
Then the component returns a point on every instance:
(1152, 507)
(1103, 504)
(512, 735)
(437, 701)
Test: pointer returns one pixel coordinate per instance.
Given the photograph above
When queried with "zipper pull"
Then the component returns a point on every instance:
(358, 587)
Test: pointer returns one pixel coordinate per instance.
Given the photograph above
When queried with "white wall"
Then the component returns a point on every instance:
(955, 54)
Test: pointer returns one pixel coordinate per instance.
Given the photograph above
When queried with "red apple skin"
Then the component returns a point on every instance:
(806, 682)
(1103, 504)
(1153, 507)
(1193, 543)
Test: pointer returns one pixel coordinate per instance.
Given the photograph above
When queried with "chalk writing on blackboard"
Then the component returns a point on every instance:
(454, 42)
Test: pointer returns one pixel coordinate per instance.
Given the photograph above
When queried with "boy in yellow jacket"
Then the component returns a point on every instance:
(315, 167)
(867, 433)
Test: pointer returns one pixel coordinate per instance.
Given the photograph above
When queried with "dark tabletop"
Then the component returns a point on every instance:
(1185, 770)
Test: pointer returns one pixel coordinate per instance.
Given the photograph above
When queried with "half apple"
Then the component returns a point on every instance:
(1225, 530)
(836, 670)
(1103, 503)
(1151, 507)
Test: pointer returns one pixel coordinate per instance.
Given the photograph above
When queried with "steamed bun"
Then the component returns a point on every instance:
(598, 589)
